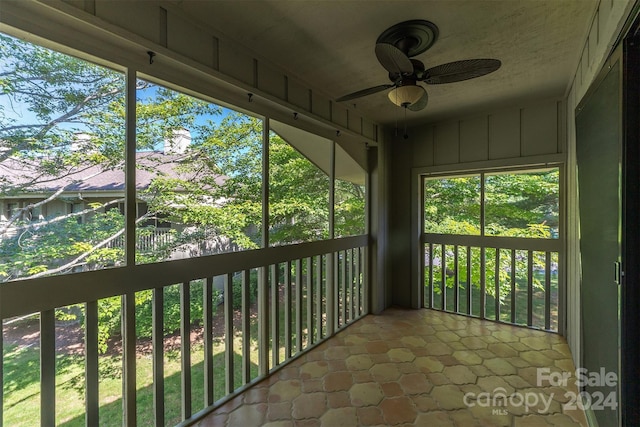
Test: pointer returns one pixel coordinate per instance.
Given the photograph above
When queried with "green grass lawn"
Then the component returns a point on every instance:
(538, 302)
(22, 385)
(22, 378)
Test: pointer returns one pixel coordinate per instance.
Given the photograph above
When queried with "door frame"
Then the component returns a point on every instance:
(630, 298)
(615, 59)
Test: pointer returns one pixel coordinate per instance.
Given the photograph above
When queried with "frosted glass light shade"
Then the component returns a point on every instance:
(403, 96)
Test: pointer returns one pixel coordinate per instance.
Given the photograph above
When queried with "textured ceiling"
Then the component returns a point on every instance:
(330, 46)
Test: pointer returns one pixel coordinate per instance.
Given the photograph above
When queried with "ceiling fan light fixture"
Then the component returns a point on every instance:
(404, 96)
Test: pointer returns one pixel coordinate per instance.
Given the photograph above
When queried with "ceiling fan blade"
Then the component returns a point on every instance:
(393, 59)
(460, 70)
(364, 92)
(421, 103)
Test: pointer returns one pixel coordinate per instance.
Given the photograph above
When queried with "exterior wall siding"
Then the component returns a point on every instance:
(519, 132)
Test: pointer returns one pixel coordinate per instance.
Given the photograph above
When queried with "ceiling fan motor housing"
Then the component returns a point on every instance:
(411, 37)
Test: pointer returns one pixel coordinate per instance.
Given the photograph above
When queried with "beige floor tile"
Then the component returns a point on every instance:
(248, 415)
(460, 374)
(340, 417)
(369, 416)
(384, 372)
(415, 384)
(536, 358)
(401, 355)
(448, 397)
(412, 368)
(366, 394)
(309, 405)
(338, 399)
(467, 357)
(499, 366)
(435, 418)
(337, 381)
(358, 362)
(396, 410)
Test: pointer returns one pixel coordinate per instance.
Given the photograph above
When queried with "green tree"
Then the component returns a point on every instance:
(516, 205)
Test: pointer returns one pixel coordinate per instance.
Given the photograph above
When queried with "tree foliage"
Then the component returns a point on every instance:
(523, 204)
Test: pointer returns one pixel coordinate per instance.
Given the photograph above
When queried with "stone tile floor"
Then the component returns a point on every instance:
(415, 368)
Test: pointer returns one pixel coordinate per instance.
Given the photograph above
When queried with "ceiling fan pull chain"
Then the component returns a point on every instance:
(396, 117)
(405, 123)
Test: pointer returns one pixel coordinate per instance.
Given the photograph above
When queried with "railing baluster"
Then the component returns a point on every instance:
(483, 281)
(298, 264)
(430, 275)
(246, 326)
(287, 309)
(228, 333)
(329, 287)
(358, 283)
(310, 304)
(468, 288)
(349, 294)
(530, 288)
(335, 274)
(157, 341)
(343, 286)
(547, 290)
(513, 286)
(263, 320)
(443, 277)
(456, 289)
(91, 363)
(48, 368)
(275, 315)
(207, 314)
(1, 365)
(497, 285)
(519, 250)
(129, 358)
(318, 289)
(365, 280)
(185, 348)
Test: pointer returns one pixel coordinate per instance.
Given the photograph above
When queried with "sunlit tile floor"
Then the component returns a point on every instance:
(415, 368)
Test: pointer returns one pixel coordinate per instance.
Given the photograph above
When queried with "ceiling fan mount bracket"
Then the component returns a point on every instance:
(411, 37)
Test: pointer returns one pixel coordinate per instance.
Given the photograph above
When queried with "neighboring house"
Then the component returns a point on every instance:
(85, 186)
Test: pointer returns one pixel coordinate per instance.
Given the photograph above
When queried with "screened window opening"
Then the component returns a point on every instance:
(152, 343)
(515, 204)
(62, 139)
(349, 198)
(299, 185)
(491, 246)
(522, 204)
(199, 176)
(452, 205)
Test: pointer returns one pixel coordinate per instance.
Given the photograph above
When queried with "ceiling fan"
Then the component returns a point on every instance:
(396, 47)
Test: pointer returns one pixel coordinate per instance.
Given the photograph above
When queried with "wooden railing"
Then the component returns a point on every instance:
(305, 293)
(148, 241)
(510, 280)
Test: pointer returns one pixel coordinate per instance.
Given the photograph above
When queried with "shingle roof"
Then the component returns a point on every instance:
(151, 164)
